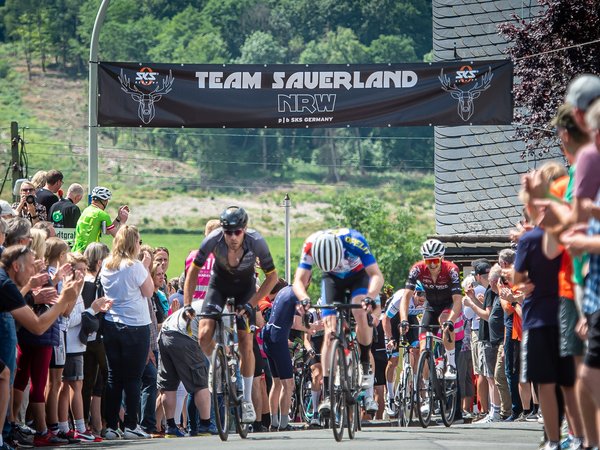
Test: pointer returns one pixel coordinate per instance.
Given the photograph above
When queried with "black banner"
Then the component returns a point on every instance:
(305, 96)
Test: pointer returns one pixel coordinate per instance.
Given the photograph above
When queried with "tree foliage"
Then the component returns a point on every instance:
(392, 235)
(544, 65)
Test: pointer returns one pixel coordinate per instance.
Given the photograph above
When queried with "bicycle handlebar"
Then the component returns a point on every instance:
(339, 306)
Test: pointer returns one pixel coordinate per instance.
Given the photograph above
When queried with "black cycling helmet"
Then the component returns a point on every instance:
(233, 218)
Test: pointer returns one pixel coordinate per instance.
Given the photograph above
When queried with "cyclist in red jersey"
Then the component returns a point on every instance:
(441, 281)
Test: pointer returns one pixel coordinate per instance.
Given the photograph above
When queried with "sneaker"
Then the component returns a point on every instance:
(371, 405)
(174, 432)
(511, 418)
(315, 422)
(467, 416)
(211, 430)
(135, 433)
(552, 446)
(69, 436)
(390, 407)
(248, 414)
(273, 429)
(450, 373)
(19, 439)
(48, 440)
(86, 436)
(288, 427)
(540, 418)
(113, 435)
(25, 429)
(490, 418)
(532, 416)
(325, 407)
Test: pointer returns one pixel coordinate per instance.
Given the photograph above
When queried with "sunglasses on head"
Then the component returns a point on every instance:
(233, 232)
(433, 260)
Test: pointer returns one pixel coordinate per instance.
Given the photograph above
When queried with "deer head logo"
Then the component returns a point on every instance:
(146, 111)
(465, 97)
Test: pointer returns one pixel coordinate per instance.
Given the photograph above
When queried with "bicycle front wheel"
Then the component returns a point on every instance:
(337, 390)
(424, 389)
(305, 396)
(405, 409)
(219, 385)
(352, 407)
(448, 400)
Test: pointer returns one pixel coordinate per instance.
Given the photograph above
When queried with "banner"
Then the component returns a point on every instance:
(305, 96)
(66, 234)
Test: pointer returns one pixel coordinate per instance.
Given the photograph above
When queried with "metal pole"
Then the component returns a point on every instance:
(14, 147)
(93, 99)
(287, 205)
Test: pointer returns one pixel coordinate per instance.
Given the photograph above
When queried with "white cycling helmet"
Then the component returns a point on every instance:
(327, 251)
(101, 193)
(432, 248)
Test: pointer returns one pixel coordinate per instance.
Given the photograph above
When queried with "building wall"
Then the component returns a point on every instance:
(477, 169)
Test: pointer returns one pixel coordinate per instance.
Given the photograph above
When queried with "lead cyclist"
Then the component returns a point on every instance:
(344, 257)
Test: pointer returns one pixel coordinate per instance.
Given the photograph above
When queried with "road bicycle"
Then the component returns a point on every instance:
(404, 396)
(225, 363)
(435, 387)
(344, 382)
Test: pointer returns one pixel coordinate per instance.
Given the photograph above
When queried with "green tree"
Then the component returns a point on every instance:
(336, 47)
(392, 48)
(392, 235)
(261, 48)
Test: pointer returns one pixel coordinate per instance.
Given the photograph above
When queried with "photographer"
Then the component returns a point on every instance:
(28, 207)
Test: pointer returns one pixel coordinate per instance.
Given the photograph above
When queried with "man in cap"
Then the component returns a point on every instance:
(6, 212)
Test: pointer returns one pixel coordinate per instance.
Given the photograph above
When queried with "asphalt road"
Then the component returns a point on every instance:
(514, 436)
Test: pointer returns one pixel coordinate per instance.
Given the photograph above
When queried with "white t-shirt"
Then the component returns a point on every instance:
(176, 322)
(122, 286)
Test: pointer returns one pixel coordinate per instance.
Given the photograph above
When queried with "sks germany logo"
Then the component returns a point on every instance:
(464, 77)
(146, 77)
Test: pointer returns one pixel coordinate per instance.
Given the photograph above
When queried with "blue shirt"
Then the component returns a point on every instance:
(357, 254)
(282, 315)
(591, 296)
(540, 308)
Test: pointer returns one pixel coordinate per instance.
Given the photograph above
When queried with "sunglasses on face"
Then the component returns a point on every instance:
(419, 293)
(233, 232)
(433, 260)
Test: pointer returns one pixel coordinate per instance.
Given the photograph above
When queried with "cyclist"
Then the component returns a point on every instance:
(440, 279)
(391, 324)
(236, 249)
(344, 257)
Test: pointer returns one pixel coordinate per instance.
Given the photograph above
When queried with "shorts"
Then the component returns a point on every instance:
(592, 356)
(73, 370)
(333, 289)
(219, 290)
(181, 360)
(490, 355)
(570, 344)
(59, 353)
(278, 355)
(476, 353)
(541, 361)
(431, 315)
(259, 362)
(464, 369)
(317, 344)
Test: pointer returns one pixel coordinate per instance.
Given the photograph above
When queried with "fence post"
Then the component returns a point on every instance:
(14, 149)
(287, 205)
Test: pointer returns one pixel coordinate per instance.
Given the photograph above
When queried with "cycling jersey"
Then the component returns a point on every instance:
(255, 247)
(89, 227)
(394, 305)
(438, 294)
(357, 254)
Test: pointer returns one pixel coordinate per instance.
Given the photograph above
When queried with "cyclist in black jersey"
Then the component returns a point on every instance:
(236, 249)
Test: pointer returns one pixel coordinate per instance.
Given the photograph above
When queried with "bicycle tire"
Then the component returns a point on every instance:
(448, 401)
(306, 412)
(424, 389)
(352, 409)
(220, 391)
(405, 410)
(241, 428)
(337, 390)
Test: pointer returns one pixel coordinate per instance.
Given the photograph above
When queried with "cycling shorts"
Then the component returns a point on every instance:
(220, 290)
(333, 289)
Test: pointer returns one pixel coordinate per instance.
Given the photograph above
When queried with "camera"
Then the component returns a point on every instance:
(30, 199)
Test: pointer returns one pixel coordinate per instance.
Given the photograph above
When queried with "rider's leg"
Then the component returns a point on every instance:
(364, 333)
(274, 396)
(390, 371)
(448, 340)
(245, 341)
(206, 330)
(285, 399)
(330, 324)
(317, 378)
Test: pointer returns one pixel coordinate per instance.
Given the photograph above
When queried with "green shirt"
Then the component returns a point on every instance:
(89, 227)
(579, 262)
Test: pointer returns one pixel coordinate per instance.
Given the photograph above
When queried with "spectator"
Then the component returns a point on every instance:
(65, 213)
(127, 283)
(46, 226)
(6, 211)
(3, 230)
(39, 179)
(28, 207)
(94, 220)
(95, 371)
(205, 271)
(47, 195)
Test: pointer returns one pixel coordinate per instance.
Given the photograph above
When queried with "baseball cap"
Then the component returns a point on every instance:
(482, 268)
(5, 209)
(583, 90)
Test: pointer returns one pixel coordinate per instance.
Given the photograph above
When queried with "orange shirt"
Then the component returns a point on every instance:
(565, 276)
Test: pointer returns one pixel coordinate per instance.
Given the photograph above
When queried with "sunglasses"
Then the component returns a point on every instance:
(233, 232)
(419, 293)
(433, 260)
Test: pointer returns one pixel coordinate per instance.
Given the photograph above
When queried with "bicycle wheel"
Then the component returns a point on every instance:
(405, 409)
(306, 406)
(352, 408)
(337, 390)
(424, 390)
(448, 400)
(241, 428)
(220, 391)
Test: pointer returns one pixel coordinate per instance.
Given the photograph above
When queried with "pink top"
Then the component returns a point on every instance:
(203, 274)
